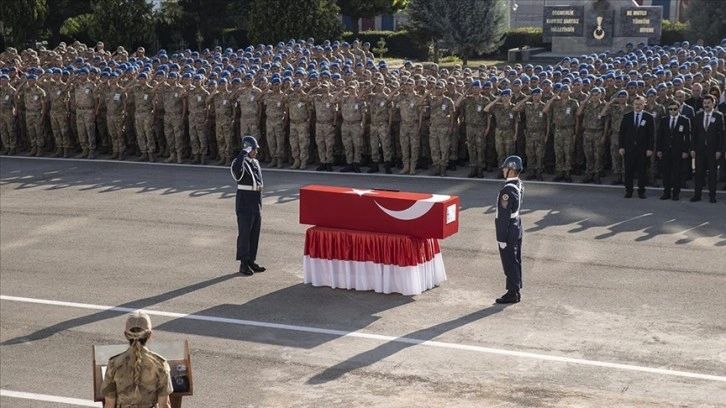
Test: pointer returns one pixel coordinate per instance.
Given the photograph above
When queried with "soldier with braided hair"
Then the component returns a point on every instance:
(137, 377)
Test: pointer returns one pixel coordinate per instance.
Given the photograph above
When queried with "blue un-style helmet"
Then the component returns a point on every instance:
(249, 141)
(513, 162)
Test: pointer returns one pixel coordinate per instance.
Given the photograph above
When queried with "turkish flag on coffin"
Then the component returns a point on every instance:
(416, 214)
(385, 263)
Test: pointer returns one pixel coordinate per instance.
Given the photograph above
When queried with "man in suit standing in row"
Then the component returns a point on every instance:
(709, 137)
(672, 145)
(636, 140)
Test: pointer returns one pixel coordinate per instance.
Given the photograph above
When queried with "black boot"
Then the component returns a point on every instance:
(329, 167)
(356, 167)
(472, 172)
(322, 167)
(347, 169)
(244, 268)
(512, 296)
(387, 167)
(256, 268)
(374, 168)
(452, 165)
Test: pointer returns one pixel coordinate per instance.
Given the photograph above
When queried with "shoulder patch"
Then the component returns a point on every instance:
(505, 197)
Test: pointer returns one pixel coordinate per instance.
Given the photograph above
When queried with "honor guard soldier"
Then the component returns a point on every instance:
(509, 228)
(247, 173)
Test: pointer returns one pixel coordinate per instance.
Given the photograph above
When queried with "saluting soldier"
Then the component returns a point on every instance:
(196, 100)
(502, 111)
(275, 101)
(473, 103)
(325, 122)
(59, 115)
(564, 116)
(443, 115)
(538, 125)
(353, 112)
(7, 115)
(143, 97)
(84, 94)
(615, 110)
(409, 104)
(593, 144)
(381, 113)
(300, 114)
(35, 107)
(115, 98)
(172, 94)
(222, 101)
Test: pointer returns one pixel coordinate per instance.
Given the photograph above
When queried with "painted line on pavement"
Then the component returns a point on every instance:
(275, 170)
(49, 398)
(379, 337)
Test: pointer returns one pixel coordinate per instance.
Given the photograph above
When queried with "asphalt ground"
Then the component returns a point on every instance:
(623, 300)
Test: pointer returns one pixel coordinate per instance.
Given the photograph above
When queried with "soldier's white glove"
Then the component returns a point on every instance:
(502, 245)
(248, 149)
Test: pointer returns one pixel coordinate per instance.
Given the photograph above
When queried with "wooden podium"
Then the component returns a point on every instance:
(176, 354)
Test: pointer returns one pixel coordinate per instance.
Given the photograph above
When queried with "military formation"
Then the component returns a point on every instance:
(335, 107)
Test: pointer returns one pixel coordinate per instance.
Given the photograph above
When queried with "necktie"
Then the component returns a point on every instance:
(637, 120)
(673, 123)
(705, 124)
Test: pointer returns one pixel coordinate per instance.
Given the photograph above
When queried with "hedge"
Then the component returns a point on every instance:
(519, 37)
(673, 32)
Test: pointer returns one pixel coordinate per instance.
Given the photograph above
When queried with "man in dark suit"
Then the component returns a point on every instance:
(687, 111)
(672, 145)
(707, 146)
(637, 134)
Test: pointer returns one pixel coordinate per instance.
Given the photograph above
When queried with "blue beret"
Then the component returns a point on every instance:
(173, 75)
(557, 86)
(565, 88)
(517, 82)
(632, 83)
(487, 84)
(83, 71)
(475, 84)
(142, 76)
(622, 92)
(4, 76)
(650, 91)
(536, 91)
(32, 76)
(222, 81)
(595, 90)
(506, 92)
(275, 81)
(236, 81)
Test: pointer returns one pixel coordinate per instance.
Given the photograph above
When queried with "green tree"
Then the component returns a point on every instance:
(425, 22)
(22, 20)
(356, 9)
(129, 23)
(475, 26)
(270, 21)
(706, 20)
(203, 22)
(61, 10)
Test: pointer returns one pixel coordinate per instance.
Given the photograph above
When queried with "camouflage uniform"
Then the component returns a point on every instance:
(474, 119)
(617, 111)
(300, 113)
(593, 125)
(536, 121)
(173, 98)
(275, 111)
(223, 102)
(249, 111)
(197, 102)
(443, 112)
(504, 132)
(84, 96)
(101, 114)
(352, 109)
(325, 115)
(7, 119)
(59, 118)
(118, 383)
(564, 113)
(380, 111)
(114, 101)
(409, 106)
(34, 110)
(144, 118)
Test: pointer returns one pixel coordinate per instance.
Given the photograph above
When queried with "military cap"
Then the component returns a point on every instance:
(595, 90)
(558, 85)
(475, 84)
(506, 92)
(197, 77)
(173, 75)
(486, 84)
(632, 83)
(565, 87)
(536, 91)
(4, 76)
(138, 320)
(622, 92)
(275, 81)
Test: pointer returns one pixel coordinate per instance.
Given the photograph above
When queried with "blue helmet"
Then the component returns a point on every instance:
(249, 141)
(513, 162)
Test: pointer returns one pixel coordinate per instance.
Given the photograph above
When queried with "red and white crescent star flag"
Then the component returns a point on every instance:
(384, 263)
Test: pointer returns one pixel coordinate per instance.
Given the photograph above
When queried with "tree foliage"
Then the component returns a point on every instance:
(270, 21)
(61, 10)
(355, 9)
(122, 22)
(23, 20)
(204, 21)
(706, 20)
(464, 26)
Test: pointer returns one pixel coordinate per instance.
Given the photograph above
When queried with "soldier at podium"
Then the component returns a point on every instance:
(137, 377)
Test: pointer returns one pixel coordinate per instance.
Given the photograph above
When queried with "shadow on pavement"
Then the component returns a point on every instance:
(112, 314)
(301, 306)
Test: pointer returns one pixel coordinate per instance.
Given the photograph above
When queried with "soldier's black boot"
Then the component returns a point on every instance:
(348, 168)
(322, 167)
(356, 167)
(480, 172)
(473, 172)
(329, 167)
(512, 296)
(451, 166)
(373, 168)
(244, 268)
(387, 167)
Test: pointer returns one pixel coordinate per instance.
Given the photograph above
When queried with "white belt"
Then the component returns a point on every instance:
(514, 215)
(248, 188)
